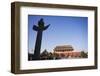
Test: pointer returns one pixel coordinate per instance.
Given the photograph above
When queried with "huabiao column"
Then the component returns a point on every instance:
(39, 29)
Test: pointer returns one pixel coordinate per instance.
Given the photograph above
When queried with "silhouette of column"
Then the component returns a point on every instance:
(39, 29)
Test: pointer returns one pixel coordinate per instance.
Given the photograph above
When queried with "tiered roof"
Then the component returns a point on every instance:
(63, 48)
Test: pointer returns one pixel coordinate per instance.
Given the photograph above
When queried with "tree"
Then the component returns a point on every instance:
(44, 55)
(84, 54)
(56, 56)
(50, 55)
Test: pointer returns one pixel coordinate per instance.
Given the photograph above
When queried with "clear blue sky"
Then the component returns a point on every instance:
(63, 30)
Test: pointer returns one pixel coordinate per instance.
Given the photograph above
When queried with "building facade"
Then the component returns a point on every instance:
(66, 51)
